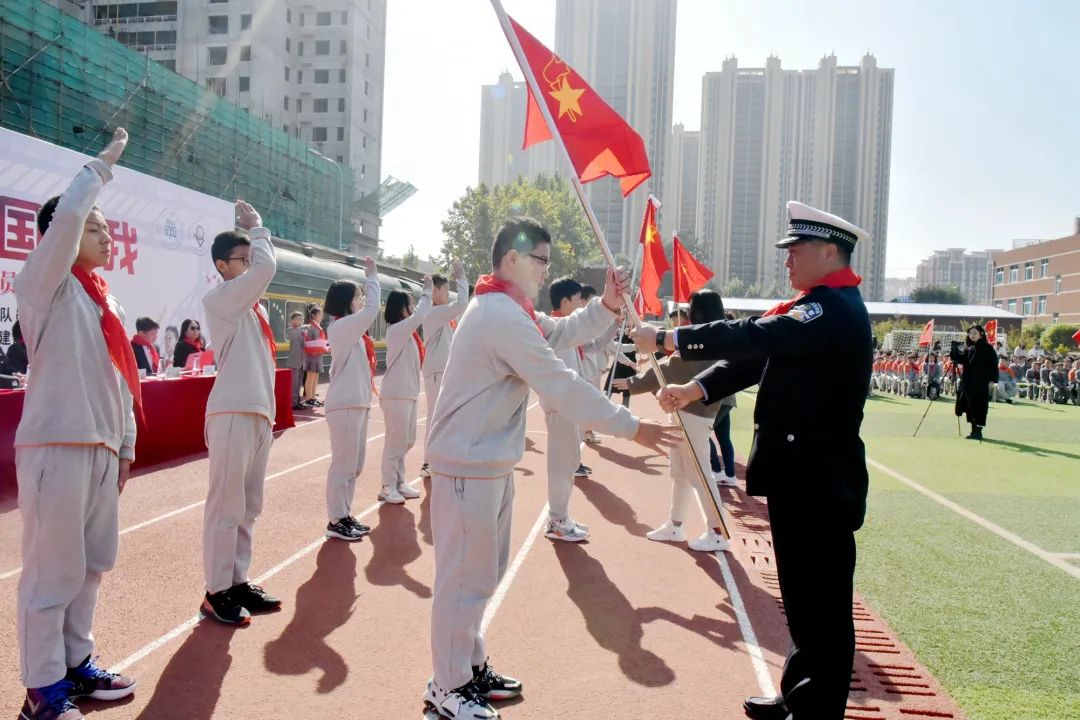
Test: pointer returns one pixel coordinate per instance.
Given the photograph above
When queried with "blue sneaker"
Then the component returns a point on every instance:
(90, 680)
(52, 702)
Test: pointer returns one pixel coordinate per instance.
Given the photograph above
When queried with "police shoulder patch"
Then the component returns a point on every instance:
(806, 312)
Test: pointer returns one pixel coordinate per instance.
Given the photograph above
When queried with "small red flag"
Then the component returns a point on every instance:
(991, 332)
(654, 262)
(597, 139)
(1076, 336)
(927, 334)
(688, 275)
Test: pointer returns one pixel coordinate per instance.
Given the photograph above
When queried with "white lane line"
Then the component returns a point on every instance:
(192, 506)
(753, 649)
(1067, 556)
(981, 521)
(191, 622)
(511, 572)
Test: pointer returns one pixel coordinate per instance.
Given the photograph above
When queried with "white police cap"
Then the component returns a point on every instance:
(807, 223)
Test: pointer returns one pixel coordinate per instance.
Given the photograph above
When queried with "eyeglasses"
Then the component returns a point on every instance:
(545, 261)
(246, 259)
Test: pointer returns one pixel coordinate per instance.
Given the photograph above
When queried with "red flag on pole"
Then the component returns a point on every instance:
(927, 336)
(654, 262)
(1076, 336)
(991, 332)
(597, 139)
(688, 275)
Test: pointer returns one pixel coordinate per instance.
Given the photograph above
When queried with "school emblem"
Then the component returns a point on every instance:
(806, 313)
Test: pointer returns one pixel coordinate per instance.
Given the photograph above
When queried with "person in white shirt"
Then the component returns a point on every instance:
(401, 387)
(478, 436)
(73, 447)
(239, 417)
(348, 399)
(438, 327)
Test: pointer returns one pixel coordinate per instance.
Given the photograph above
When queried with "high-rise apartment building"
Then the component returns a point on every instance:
(315, 69)
(502, 128)
(679, 211)
(625, 50)
(770, 135)
(967, 270)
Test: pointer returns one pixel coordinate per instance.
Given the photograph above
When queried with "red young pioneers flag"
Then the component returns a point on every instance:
(991, 332)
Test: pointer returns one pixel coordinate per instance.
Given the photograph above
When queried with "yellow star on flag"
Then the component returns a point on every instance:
(567, 98)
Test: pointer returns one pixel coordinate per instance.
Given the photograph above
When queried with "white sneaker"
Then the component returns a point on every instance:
(406, 491)
(566, 530)
(590, 438)
(425, 471)
(668, 532)
(725, 480)
(464, 703)
(711, 541)
(391, 495)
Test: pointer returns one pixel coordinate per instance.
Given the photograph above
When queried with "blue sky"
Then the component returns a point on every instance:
(985, 149)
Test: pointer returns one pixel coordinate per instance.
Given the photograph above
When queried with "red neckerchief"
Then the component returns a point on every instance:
(839, 279)
(491, 284)
(197, 344)
(143, 342)
(419, 347)
(116, 342)
(580, 350)
(267, 332)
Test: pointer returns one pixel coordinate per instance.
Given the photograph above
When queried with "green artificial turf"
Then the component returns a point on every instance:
(998, 626)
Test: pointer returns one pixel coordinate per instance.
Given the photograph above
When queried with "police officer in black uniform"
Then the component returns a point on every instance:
(811, 358)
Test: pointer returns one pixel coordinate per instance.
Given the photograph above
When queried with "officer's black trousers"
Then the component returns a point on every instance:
(815, 559)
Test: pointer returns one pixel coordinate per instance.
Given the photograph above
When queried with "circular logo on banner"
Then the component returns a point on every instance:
(169, 230)
(200, 238)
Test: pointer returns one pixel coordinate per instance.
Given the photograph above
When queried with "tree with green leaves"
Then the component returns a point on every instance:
(474, 219)
(1055, 336)
(937, 294)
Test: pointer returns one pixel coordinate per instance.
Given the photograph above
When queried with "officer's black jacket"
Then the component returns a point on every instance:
(813, 368)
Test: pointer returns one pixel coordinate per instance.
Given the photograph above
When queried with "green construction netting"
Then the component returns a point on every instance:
(64, 82)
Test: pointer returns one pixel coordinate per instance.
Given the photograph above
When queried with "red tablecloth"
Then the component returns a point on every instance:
(174, 412)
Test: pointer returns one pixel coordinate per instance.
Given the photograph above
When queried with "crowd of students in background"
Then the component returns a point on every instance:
(930, 375)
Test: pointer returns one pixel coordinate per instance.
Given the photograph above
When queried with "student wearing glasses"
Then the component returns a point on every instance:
(239, 417)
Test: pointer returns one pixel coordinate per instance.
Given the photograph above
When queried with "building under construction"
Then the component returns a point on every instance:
(67, 83)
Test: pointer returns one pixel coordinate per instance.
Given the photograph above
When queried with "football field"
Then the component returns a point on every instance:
(971, 551)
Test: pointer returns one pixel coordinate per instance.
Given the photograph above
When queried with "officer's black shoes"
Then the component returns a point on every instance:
(763, 708)
(976, 433)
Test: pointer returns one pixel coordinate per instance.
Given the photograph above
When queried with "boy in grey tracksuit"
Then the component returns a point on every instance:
(295, 360)
(478, 436)
(73, 447)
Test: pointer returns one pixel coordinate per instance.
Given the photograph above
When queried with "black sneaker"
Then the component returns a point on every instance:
(344, 530)
(490, 685)
(362, 528)
(583, 471)
(254, 598)
(223, 607)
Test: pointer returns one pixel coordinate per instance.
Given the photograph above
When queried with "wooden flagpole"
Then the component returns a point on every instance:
(712, 491)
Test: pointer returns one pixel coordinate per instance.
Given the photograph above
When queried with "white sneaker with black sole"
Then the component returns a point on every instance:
(391, 495)
(463, 703)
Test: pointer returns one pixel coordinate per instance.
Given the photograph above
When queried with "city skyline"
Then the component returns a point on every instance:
(979, 156)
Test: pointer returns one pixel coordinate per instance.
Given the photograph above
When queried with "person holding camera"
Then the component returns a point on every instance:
(979, 362)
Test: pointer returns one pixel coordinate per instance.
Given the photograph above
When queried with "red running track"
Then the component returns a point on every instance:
(616, 627)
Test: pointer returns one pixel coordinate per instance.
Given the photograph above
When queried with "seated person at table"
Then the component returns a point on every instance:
(190, 342)
(17, 358)
(142, 343)
(7, 383)
(73, 447)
